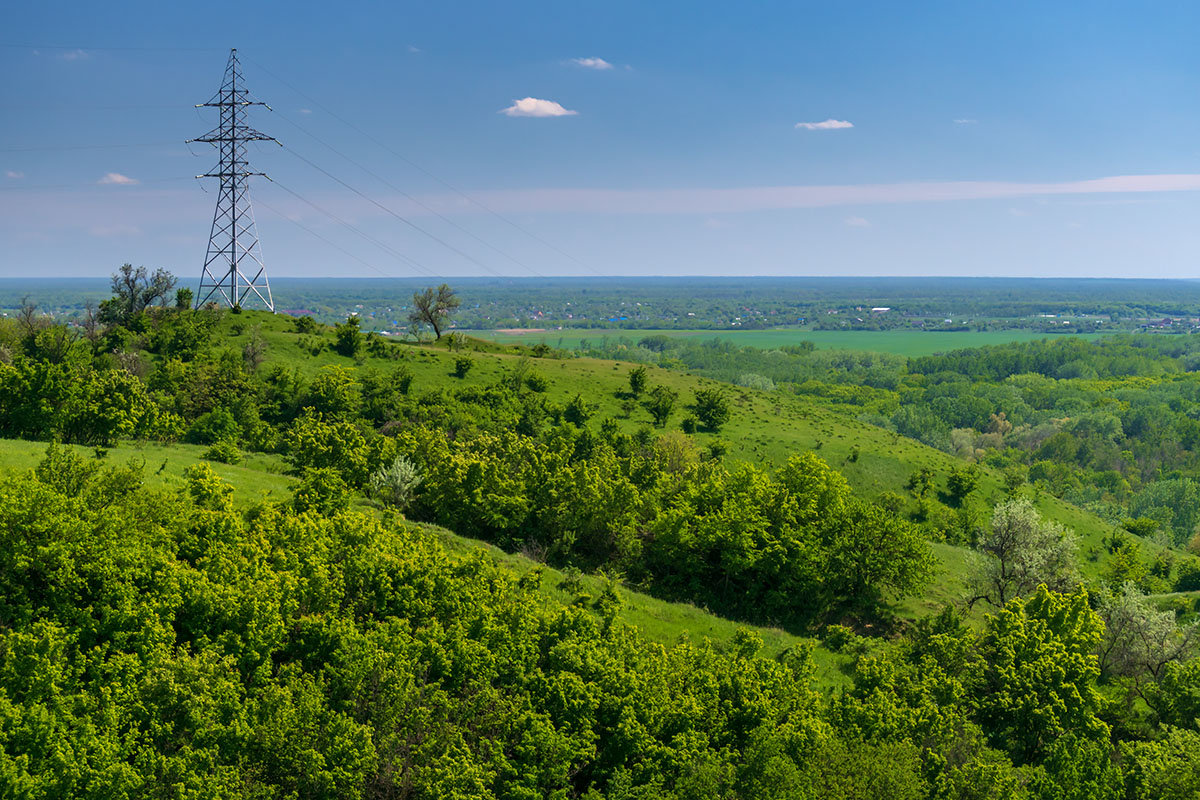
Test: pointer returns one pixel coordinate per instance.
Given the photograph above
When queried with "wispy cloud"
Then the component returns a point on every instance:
(74, 55)
(828, 125)
(412, 48)
(857, 222)
(760, 198)
(13, 174)
(533, 107)
(966, 122)
(306, 111)
(117, 179)
(109, 231)
(591, 63)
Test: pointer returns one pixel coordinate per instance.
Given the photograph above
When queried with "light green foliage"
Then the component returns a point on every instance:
(1020, 552)
(1038, 682)
(1166, 769)
(395, 484)
(1139, 639)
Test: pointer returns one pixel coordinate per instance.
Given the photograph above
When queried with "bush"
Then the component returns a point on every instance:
(537, 382)
(462, 366)
(394, 485)
(216, 426)
(224, 451)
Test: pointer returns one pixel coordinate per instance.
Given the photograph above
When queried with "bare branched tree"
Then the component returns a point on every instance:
(432, 306)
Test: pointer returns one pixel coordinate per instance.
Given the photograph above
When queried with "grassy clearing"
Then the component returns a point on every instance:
(901, 342)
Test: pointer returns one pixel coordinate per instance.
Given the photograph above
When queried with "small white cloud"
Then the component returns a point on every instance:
(714, 224)
(966, 122)
(857, 222)
(1018, 212)
(13, 174)
(74, 55)
(533, 107)
(827, 125)
(591, 63)
(117, 179)
(306, 111)
(412, 48)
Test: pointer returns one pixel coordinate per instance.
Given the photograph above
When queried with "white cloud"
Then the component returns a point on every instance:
(117, 179)
(12, 173)
(412, 48)
(709, 201)
(857, 222)
(306, 111)
(533, 107)
(966, 122)
(74, 55)
(1018, 212)
(591, 63)
(828, 125)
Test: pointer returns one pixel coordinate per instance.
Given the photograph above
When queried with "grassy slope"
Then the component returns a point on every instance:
(765, 428)
(901, 342)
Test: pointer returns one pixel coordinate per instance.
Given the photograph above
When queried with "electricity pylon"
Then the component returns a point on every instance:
(233, 265)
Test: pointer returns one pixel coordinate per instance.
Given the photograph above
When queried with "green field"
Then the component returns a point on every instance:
(901, 342)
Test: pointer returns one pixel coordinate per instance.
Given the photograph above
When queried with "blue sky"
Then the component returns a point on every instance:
(940, 138)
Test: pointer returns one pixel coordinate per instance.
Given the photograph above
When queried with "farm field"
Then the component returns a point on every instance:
(905, 343)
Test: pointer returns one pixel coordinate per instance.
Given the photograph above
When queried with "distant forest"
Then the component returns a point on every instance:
(1054, 304)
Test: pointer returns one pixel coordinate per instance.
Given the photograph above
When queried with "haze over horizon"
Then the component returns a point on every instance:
(780, 139)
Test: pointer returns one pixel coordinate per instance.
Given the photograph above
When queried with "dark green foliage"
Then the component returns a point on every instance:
(462, 365)
(637, 380)
(660, 403)
(578, 411)
(304, 325)
(348, 338)
(711, 408)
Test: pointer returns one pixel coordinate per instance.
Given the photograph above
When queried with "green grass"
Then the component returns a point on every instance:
(765, 427)
(901, 342)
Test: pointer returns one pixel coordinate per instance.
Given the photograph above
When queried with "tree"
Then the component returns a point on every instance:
(1022, 551)
(711, 408)
(962, 481)
(134, 290)
(1040, 668)
(637, 380)
(1139, 640)
(432, 306)
(394, 485)
(348, 338)
(660, 404)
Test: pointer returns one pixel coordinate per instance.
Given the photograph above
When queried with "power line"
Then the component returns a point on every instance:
(427, 173)
(381, 245)
(411, 198)
(394, 214)
(324, 239)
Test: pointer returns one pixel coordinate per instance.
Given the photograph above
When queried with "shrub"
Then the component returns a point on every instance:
(224, 451)
(395, 484)
(462, 366)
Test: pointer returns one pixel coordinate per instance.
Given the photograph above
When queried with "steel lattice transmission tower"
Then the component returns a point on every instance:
(233, 266)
